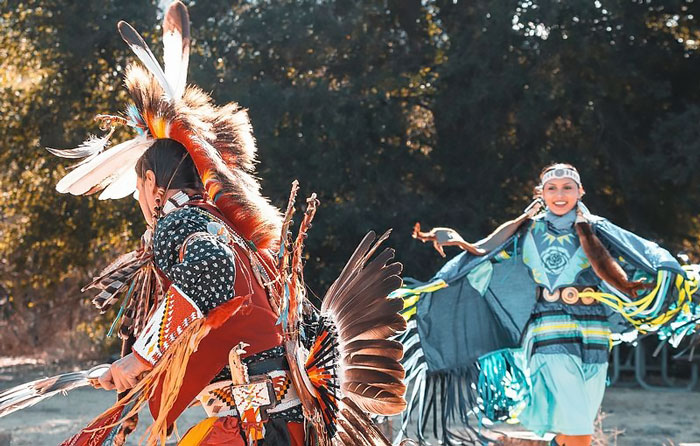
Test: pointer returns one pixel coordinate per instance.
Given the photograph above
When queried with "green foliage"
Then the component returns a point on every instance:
(396, 111)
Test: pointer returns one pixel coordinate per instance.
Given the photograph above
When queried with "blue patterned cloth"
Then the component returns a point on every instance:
(552, 251)
(567, 345)
(208, 270)
(582, 331)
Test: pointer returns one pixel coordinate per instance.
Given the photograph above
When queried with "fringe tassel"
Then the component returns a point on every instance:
(171, 368)
(492, 388)
(502, 385)
(656, 308)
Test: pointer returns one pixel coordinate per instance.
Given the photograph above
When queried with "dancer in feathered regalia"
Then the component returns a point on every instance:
(520, 324)
(214, 300)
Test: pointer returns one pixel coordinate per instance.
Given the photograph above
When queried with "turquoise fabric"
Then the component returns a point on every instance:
(565, 394)
(554, 255)
(502, 384)
(480, 277)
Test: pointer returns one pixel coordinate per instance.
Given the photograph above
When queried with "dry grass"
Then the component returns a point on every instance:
(604, 437)
(67, 329)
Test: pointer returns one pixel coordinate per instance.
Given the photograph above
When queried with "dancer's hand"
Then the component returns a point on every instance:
(581, 216)
(124, 373)
(445, 237)
(534, 208)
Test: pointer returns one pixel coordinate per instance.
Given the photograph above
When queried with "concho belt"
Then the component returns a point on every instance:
(271, 392)
(569, 295)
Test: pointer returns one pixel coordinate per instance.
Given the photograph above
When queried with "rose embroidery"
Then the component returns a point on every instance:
(555, 259)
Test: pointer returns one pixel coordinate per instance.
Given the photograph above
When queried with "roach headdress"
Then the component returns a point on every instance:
(219, 139)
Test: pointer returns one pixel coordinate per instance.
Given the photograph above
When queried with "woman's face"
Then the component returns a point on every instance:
(147, 190)
(561, 195)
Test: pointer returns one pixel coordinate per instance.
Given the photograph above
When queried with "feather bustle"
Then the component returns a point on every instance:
(374, 362)
(388, 348)
(349, 271)
(359, 427)
(357, 304)
(357, 281)
(357, 291)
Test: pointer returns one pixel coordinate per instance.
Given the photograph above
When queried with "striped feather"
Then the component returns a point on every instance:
(143, 52)
(29, 394)
(115, 278)
(176, 46)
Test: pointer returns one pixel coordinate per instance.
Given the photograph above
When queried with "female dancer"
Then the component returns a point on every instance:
(543, 284)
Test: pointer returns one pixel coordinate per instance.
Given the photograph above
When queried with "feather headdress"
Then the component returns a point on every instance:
(219, 139)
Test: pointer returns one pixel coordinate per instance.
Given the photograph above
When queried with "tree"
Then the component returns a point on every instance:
(437, 111)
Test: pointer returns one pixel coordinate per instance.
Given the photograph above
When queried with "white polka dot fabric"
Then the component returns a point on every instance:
(207, 271)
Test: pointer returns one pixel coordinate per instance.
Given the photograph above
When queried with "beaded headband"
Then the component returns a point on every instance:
(561, 171)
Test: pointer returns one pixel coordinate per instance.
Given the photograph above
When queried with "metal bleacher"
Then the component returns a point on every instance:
(652, 366)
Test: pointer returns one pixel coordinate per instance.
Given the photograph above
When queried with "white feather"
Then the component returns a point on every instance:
(101, 170)
(176, 47)
(122, 185)
(143, 52)
(90, 146)
(31, 393)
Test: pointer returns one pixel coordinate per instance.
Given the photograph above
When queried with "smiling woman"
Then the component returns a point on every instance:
(560, 189)
(566, 340)
(526, 319)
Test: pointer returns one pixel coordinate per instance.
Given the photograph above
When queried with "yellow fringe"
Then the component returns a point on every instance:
(411, 296)
(686, 288)
(198, 432)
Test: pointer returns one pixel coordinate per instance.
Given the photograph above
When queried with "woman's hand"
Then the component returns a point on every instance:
(445, 237)
(124, 373)
(534, 208)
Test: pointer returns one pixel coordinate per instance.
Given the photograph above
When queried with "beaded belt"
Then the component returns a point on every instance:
(569, 295)
(219, 399)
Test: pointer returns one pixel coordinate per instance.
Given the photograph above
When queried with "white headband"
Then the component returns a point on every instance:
(562, 171)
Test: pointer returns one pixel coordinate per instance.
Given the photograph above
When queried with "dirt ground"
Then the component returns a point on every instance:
(645, 418)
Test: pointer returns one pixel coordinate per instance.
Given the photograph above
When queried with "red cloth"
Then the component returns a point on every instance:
(226, 431)
(255, 325)
(95, 433)
(296, 434)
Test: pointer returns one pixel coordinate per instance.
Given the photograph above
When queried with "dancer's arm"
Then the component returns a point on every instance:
(202, 275)
(449, 237)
